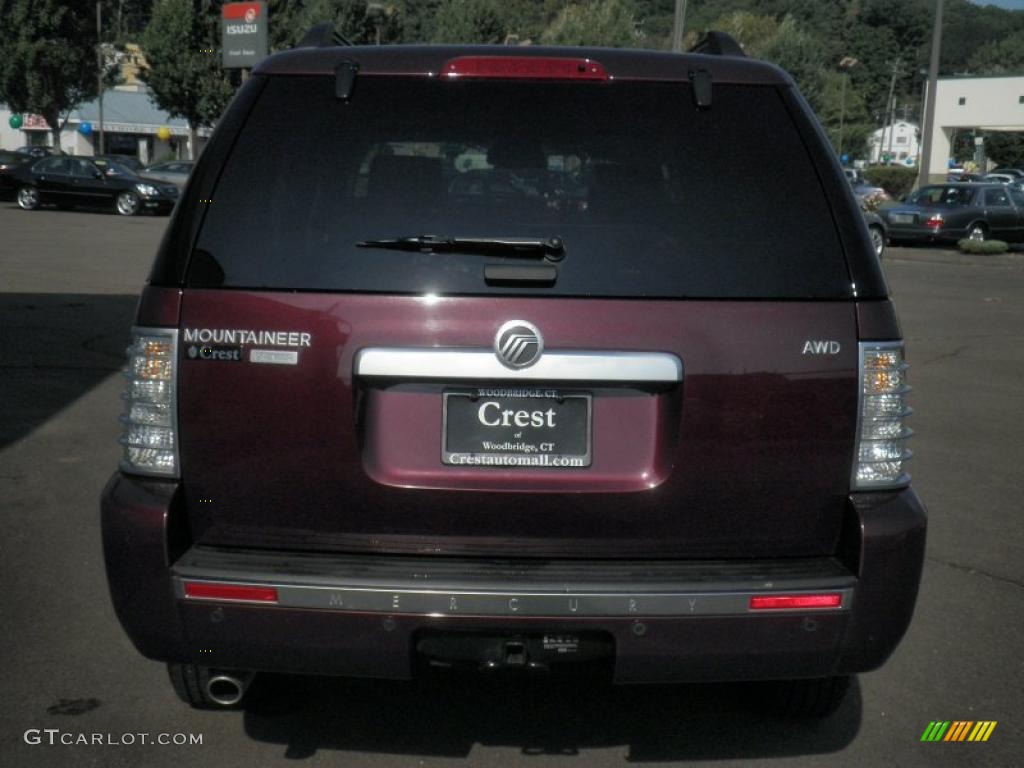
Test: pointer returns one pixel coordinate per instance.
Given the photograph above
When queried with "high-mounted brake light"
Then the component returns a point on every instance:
(789, 602)
(523, 67)
(233, 592)
(880, 452)
(149, 435)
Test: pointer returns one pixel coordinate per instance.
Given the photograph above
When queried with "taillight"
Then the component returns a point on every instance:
(881, 450)
(791, 602)
(244, 593)
(935, 221)
(150, 414)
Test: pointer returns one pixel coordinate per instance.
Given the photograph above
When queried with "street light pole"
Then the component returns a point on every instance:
(844, 64)
(925, 166)
(678, 22)
(99, 68)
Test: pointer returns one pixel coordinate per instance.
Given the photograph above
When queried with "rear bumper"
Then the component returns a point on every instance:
(361, 615)
(925, 235)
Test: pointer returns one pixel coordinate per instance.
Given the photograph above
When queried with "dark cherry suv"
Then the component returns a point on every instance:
(516, 358)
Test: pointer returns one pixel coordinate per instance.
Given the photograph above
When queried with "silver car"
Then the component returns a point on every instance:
(175, 171)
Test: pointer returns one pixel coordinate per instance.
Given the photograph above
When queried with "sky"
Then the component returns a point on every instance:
(1014, 5)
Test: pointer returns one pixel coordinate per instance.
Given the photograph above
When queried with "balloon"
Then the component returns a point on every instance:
(15, 121)
(85, 128)
(163, 133)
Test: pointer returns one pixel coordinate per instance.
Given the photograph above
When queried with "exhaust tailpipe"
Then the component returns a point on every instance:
(227, 688)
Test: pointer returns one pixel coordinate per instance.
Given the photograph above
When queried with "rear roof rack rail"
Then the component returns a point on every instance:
(323, 36)
(718, 44)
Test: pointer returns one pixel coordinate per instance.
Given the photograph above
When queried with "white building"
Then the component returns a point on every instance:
(132, 125)
(899, 142)
(975, 103)
(132, 122)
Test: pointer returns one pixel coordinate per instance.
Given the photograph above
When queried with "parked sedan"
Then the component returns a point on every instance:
(176, 172)
(878, 230)
(38, 151)
(955, 211)
(129, 161)
(85, 181)
(1017, 173)
(8, 162)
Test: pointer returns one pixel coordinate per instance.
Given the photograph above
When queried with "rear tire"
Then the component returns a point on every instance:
(877, 240)
(128, 204)
(818, 697)
(977, 232)
(28, 198)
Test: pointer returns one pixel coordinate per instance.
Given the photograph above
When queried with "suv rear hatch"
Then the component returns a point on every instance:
(702, 271)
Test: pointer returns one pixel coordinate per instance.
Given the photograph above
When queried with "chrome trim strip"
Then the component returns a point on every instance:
(483, 364)
(553, 603)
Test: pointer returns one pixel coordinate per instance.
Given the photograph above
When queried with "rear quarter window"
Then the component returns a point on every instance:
(651, 196)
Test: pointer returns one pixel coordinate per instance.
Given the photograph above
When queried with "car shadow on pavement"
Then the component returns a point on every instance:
(54, 348)
(541, 716)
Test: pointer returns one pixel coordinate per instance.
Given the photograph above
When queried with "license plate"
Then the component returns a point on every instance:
(516, 427)
(902, 218)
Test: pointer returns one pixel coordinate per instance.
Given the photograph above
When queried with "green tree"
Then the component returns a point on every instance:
(468, 21)
(606, 23)
(47, 58)
(1000, 57)
(1005, 148)
(186, 78)
(753, 32)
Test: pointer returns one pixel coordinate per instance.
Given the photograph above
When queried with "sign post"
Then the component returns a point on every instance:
(243, 34)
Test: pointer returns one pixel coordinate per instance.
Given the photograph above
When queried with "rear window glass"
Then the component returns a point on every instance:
(650, 196)
(943, 196)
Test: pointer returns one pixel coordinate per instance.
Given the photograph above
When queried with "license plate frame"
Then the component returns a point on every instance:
(566, 444)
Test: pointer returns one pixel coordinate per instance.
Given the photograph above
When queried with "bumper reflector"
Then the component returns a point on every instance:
(782, 602)
(234, 592)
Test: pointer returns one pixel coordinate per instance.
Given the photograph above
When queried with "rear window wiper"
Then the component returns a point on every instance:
(523, 247)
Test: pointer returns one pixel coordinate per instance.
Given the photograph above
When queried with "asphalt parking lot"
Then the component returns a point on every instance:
(68, 286)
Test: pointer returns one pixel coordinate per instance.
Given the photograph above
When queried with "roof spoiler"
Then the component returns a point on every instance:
(323, 36)
(718, 44)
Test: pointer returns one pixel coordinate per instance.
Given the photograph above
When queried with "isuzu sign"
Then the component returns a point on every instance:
(243, 34)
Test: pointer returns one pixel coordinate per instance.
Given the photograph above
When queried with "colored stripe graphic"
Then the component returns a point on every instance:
(958, 730)
(982, 730)
(935, 730)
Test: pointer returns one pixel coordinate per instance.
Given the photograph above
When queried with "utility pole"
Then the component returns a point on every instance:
(678, 22)
(925, 166)
(890, 107)
(844, 65)
(99, 68)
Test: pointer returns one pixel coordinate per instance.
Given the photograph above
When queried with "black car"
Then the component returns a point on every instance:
(128, 161)
(38, 151)
(8, 162)
(958, 210)
(86, 181)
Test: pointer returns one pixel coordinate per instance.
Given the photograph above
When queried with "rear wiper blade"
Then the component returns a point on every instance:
(525, 247)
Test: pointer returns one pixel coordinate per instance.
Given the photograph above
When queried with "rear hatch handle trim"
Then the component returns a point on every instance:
(482, 364)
